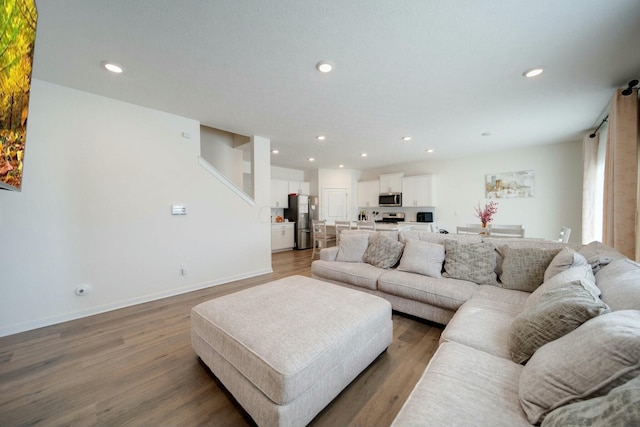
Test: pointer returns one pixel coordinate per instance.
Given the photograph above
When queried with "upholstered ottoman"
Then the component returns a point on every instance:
(285, 349)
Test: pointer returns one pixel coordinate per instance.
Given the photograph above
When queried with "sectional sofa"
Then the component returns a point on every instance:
(536, 331)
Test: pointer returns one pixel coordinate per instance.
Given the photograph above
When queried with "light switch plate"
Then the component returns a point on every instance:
(178, 210)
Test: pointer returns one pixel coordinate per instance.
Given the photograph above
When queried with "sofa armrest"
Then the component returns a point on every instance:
(329, 254)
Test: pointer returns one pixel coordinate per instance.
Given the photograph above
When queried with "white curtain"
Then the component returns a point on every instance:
(591, 204)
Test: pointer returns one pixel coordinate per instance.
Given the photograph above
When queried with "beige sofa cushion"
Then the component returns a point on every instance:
(443, 292)
(582, 273)
(600, 355)
(422, 258)
(475, 262)
(558, 311)
(353, 273)
(438, 238)
(352, 246)
(621, 407)
(382, 251)
(619, 282)
(463, 386)
(598, 254)
(567, 258)
(523, 268)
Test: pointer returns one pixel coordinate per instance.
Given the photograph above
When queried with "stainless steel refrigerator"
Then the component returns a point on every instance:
(302, 210)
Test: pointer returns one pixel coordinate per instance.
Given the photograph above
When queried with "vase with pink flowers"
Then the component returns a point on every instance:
(486, 214)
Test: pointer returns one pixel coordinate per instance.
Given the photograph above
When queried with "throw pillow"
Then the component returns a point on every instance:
(523, 268)
(621, 407)
(422, 258)
(600, 355)
(620, 284)
(565, 259)
(475, 262)
(598, 254)
(582, 273)
(382, 251)
(352, 246)
(558, 312)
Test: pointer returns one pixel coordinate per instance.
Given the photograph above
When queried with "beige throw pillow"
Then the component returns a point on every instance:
(620, 284)
(621, 407)
(558, 312)
(382, 251)
(589, 362)
(352, 246)
(523, 268)
(566, 259)
(582, 273)
(422, 258)
(475, 262)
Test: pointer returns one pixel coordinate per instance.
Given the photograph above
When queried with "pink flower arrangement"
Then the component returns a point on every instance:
(486, 214)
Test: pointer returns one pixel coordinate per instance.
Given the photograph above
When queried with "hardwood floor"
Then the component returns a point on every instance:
(135, 366)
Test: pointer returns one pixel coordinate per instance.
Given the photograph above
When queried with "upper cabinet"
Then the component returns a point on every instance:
(417, 191)
(279, 193)
(391, 183)
(368, 192)
(280, 190)
(299, 187)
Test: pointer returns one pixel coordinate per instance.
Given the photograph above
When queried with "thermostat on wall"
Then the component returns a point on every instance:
(178, 210)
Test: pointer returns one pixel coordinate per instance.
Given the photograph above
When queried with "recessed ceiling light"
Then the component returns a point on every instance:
(340, 166)
(406, 138)
(429, 150)
(311, 159)
(363, 155)
(113, 67)
(533, 72)
(275, 151)
(321, 137)
(324, 66)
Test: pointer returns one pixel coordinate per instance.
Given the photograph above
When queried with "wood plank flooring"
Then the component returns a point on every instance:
(135, 367)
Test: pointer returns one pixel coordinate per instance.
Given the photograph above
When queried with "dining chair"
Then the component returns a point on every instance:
(565, 232)
(506, 230)
(476, 229)
(366, 225)
(321, 238)
(341, 225)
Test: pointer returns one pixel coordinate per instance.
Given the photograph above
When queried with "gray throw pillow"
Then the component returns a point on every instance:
(558, 311)
(475, 262)
(422, 258)
(600, 355)
(382, 251)
(598, 254)
(619, 282)
(621, 407)
(523, 268)
(582, 273)
(566, 259)
(352, 246)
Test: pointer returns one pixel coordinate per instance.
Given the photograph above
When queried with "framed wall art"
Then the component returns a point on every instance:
(510, 185)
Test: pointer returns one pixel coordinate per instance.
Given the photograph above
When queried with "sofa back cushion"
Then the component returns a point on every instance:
(439, 238)
(599, 255)
(475, 262)
(619, 282)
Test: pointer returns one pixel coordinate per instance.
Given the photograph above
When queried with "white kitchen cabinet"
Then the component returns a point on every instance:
(391, 183)
(417, 191)
(299, 187)
(282, 236)
(368, 192)
(279, 193)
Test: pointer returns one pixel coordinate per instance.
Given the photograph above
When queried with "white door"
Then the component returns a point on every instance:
(333, 205)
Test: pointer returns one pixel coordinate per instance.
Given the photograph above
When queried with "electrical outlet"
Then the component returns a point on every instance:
(82, 290)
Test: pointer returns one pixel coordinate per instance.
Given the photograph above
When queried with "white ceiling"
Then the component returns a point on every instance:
(443, 72)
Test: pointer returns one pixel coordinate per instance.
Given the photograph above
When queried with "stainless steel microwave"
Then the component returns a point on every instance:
(390, 199)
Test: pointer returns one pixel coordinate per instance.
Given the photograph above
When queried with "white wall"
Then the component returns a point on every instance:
(217, 147)
(100, 177)
(459, 186)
